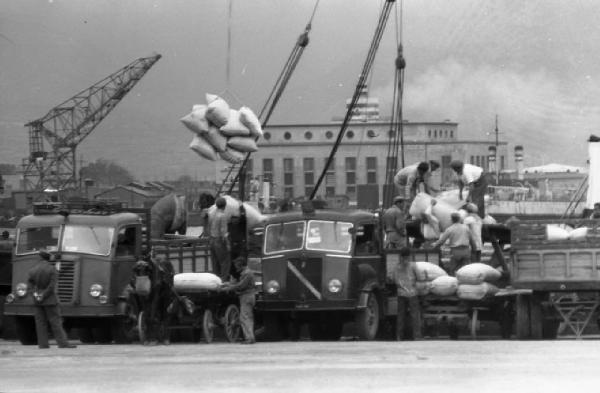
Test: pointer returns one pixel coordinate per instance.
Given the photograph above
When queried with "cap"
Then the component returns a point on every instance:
(399, 199)
(44, 254)
(456, 164)
(423, 167)
(471, 208)
(455, 215)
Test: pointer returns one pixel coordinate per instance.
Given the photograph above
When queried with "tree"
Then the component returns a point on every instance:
(106, 173)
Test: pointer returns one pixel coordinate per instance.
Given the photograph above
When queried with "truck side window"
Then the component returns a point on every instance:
(126, 241)
(366, 240)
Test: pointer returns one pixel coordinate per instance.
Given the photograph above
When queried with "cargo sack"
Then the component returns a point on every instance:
(217, 111)
(476, 291)
(488, 219)
(556, 232)
(234, 126)
(203, 148)
(419, 205)
(232, 156)
(217, 140)
(249, 119)
(444, 286)
(450, 198)
(431, 226)
(476, 273)
(244, 144)
(427, 271)
(196, 281)
(423, 287)
(196, 121)
(578, 233)
(142, 285)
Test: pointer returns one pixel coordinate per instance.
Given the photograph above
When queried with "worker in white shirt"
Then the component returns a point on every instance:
(472, 177)
(408, 179)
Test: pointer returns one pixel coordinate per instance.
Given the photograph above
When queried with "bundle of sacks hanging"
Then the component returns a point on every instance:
(476, 281)
(431, 279)
(220, 131)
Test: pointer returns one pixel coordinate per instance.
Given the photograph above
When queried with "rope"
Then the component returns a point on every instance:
(383, 17)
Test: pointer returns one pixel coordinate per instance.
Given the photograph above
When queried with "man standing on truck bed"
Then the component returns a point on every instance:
(42, 285)
(459, 239)
(471, 176)
(408, 179)
(219, 240)
(394, 224)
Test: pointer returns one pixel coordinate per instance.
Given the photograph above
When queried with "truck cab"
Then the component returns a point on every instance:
(321, 267)
(94, 251)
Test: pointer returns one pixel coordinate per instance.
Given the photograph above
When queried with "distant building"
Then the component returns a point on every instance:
(291, 157)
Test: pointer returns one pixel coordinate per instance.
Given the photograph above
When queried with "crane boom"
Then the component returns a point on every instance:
(65, 126)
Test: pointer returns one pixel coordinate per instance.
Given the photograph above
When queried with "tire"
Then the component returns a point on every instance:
(536, 317)
(231, 323)
(522, 327)
(367, 319)
(26, 330)
(86, 336)
(208, 326)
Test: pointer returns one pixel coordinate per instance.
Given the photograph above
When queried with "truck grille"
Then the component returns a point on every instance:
(311, 270)
(66, 282)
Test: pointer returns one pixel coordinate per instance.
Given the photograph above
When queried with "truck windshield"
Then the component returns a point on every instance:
(30, 240)
(329, 236)
(88, 239)
(284, 237)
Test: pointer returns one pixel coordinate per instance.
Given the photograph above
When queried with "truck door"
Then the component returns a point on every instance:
(368, 254)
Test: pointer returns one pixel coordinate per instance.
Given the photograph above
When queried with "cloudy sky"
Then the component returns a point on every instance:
(534, 63)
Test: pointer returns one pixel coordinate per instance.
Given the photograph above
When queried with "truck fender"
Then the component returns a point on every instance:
(371, 286)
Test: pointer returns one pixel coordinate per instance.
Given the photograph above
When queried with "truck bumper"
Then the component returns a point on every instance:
(108, 310)
(292, 305)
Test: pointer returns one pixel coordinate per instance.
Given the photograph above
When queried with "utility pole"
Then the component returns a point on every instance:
(497, 163)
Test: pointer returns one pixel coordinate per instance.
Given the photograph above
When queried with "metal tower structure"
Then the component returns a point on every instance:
(54, 138)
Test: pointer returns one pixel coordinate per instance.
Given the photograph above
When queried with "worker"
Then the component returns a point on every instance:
(219, 243)
(596, 212)
(461, 240)
(246, 290)
(405, 278)
(408, 179)
(254, 188)
(42, 285)
(394, 224)
(471, 176)
(475, 223)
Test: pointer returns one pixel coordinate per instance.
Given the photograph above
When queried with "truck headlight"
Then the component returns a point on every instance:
(272, 287)
(96, 290)
(21, 289)
(334, 285)
(10, 298)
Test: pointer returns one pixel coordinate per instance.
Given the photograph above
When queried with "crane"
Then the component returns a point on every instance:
(64, 127)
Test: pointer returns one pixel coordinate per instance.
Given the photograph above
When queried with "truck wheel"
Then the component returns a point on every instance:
(208, 326)
(367, 319)
(231, 323)
(85, 335)
(522, 317)
(536, 317)
(26, 330)
(123, 329)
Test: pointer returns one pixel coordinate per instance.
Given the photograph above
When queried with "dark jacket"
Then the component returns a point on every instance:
(42, 280)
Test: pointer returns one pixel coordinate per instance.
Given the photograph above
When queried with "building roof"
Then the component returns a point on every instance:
(148, 192)
(555, 168)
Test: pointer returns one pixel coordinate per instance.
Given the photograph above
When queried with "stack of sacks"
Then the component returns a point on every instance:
(220, 131)
(475, 281)
(556, 232)
(195, 281)
(444, 286)
(232, 209)
(426, 273)
(421, 207)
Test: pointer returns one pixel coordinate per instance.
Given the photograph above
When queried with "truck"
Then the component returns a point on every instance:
(562, 274)
(96, 245)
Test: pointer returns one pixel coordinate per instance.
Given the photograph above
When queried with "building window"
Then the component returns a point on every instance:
(351, 176)
(288, 192)
(371, 134)
(371, 170)
(446, 134)
(288, 172)
(451, 134)
(267, 135)
(267, 170)
(350, 134)
(472, 160)
(477, 160)
(501, 162)
(435, 133)
(287, 136)
(429, 134)
(309, 174)
(328, 134)
(308, 135)
(330, 178)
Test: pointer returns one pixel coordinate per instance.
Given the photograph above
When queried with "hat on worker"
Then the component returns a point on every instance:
(456, 164)
(471, 208)
(399, 199)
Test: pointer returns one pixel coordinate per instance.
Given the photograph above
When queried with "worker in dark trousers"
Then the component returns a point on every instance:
(42, 285)
(405, 278)
(472, 177)
(220, 246)
(394, 224)
(245, 289)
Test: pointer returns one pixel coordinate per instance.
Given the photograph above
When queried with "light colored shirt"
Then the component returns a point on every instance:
(474, 222)
(457, 235)
(394, 220)
(407, 180)
(217, 224)
(405, 278)
(470, 174)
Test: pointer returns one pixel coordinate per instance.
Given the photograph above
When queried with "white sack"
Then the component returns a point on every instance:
(423, 287)
(450, 198)
(234, 126)
(444, 286)
(475, 291)
(216, 139)
(578, 233)
(203, 148)
(232, 156)
(194, 281)
(476, 273)
(249, 119)
(488, 219)
(242, 143)
(420, 204)
(217, 111)
(196, 121)
(253, 215)
(556, 232)
(427, 271)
